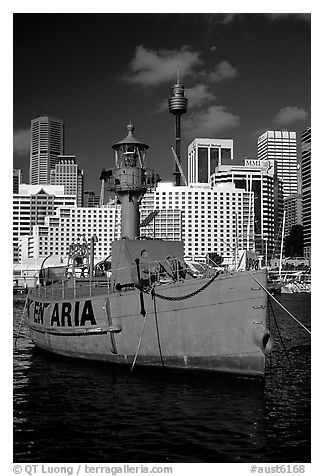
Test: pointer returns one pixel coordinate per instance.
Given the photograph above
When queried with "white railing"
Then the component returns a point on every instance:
(159, 271)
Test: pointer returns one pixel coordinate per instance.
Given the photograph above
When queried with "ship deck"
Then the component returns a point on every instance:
(72, 289)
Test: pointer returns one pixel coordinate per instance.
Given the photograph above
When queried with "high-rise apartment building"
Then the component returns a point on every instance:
(260, 177)
(47, 142)
(306, 189)
(281, 146)
(206, 219)
(204, 155)
(212, 219)
(59, 230)
(17, 180)
(30, 207)
(68, 174)
(164, 224)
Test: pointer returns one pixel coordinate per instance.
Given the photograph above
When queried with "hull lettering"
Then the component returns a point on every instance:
(64, 315)
(39, 307)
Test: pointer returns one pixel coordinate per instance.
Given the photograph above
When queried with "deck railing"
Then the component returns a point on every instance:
(159, 271)
(72, 289)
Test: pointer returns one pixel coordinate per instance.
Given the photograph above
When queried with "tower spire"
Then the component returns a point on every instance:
(178, 104)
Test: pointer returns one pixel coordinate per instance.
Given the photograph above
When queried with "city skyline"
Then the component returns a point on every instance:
(234, 93)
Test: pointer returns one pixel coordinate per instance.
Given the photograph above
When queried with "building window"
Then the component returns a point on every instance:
(203, 164)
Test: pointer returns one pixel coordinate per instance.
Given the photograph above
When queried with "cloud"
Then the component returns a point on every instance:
(220, 18)
(209, 122)
(199, 95)
(290, 114)
(222, 71)
(149, 67)
(21, 141)
(229, 18)
(306, 17)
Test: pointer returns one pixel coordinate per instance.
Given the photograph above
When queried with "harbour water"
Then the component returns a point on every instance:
(75, 411)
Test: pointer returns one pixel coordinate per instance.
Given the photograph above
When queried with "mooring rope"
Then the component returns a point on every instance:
(157, 329)
(283, 307)
(141, 337)
(280, 336)
(21, 321)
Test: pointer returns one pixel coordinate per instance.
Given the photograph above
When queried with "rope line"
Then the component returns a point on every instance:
(280, 336)
(157, 329)
(283, 307)
(269, 327)
(21, 321)
(141, 337)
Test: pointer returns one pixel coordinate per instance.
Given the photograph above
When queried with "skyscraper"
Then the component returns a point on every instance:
(306, 189)
(47, 142)
(206, 154)
(293, 208)
(67, 173)
(17, 180)
(30, 207)
(281, 146)
(260, 177)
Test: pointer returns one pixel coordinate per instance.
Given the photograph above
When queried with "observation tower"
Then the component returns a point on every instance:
(178, 104)
(130, 180)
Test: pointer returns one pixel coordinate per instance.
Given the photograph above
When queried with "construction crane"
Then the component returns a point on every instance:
(102, 194)
(179, 166)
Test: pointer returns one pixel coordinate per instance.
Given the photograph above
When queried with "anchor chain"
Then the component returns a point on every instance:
(186, 296)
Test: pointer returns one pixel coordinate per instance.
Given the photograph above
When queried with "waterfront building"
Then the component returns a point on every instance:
(306, 189)
(17, 180)
(58, 231)
(260, 177)
(212, 219)
(281, 146)
(47, 142)
(294, 212)
(207, 220)
(90, 199)
(163, 224)
(204, 155)
(30, 207)
(68, 174)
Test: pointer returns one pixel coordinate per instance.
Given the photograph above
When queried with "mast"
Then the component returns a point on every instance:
(282, 240)
(130, 180)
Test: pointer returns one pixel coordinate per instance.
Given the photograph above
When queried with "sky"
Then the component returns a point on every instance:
(243, 74)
